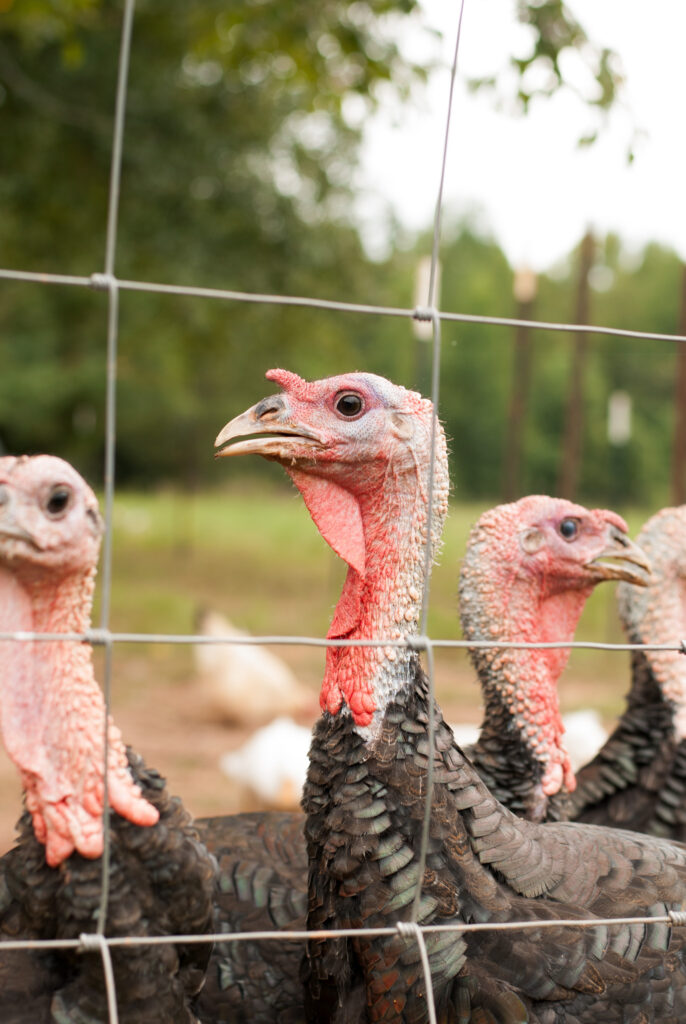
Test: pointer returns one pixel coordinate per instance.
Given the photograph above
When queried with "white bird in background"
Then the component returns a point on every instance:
(246, 684)
(271, 766)
(584, 736)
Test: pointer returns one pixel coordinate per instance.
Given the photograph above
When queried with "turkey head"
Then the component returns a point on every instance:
(529, 568)
(358, 448)
(52, 713)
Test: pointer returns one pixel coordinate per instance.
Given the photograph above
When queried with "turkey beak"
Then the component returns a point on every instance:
(621, 559)
(280, 436)
(10, 529)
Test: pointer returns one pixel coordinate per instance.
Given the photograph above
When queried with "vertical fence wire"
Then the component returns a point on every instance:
(428, 548)
(95, 942)
(110, 450)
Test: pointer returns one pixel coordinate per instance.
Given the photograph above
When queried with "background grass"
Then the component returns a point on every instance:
(254, 554)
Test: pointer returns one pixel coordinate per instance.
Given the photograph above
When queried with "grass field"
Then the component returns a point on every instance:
(258, 557)
(254, 554)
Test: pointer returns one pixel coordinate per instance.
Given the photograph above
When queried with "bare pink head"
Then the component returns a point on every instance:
(336, 437)
(528, 571)
(657, 614)
(52, 713)
(49, 518)
(358, 449)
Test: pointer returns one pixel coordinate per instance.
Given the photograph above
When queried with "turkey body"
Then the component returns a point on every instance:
(637, 780)
(161, 883)
(365, 809)
(261, 886)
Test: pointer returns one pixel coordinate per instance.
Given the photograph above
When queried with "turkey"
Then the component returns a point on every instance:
(638, 779)
(528, 570)
(358, 449)
(52, 717)
(567, 567)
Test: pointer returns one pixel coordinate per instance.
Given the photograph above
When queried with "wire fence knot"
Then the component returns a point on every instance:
(97, 637)
(418, 643)
(677, 917)
(102, 282)
(91, 942)
(424, 313)
(409, 930)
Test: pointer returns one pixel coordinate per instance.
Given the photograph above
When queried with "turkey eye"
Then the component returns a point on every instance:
(349, 404)
(58, 501)
(569, 528)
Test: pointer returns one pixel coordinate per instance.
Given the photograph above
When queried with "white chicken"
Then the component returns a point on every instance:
(245, 684)
(270, 767)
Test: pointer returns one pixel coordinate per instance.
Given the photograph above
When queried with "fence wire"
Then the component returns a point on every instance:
(107, 281)
(100, 282)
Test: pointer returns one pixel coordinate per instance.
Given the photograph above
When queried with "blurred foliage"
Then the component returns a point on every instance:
(559, 57)
(243, 122)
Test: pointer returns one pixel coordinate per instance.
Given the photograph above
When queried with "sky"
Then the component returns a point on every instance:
(526, 179)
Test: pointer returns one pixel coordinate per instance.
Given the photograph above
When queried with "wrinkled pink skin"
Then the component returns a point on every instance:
(366, 487)
(521, 581)
(52, 711)
(656, 614)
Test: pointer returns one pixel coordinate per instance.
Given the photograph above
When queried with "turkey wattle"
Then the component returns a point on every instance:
(357, 447)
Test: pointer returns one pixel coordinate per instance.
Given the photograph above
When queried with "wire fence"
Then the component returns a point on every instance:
(107, 281)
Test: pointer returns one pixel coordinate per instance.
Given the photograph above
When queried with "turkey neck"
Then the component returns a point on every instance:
(520, 686)
(44, 679)
(385, 599)
(52, 713)
(658, 616)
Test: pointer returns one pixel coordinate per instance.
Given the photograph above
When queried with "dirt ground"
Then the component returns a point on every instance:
(174, 730)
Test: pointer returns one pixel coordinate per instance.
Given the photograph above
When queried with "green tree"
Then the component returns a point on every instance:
(238, 154)
(243, 122)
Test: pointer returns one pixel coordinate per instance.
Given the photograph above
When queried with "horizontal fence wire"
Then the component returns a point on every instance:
(108, 282)
(101, 637)
(98, 282)
(675, 918)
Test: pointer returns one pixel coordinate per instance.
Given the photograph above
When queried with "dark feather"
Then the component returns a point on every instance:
(161, 883)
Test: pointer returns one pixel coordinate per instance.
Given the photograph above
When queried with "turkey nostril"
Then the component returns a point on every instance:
(273, 406)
